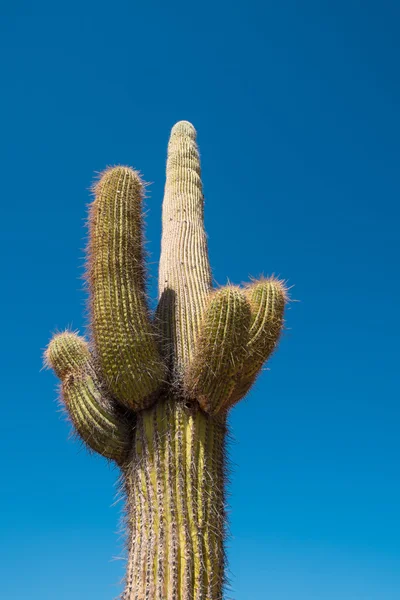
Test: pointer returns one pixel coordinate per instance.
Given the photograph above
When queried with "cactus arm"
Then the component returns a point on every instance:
(123, 334)
(98, 422)
(220, 349)
(184, 272)
(98, 425)
(267, 299)
(66, 353)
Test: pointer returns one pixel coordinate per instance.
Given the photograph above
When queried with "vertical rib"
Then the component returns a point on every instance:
(172, 516)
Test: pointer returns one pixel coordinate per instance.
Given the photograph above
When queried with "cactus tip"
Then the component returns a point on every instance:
(114, 173)
(184, 128)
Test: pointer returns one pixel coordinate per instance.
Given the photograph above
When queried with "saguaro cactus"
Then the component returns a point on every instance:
(153, 393)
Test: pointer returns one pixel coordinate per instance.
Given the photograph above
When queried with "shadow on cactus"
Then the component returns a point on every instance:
(152, 393)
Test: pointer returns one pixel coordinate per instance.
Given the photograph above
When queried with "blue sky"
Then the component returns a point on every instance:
(296, 107)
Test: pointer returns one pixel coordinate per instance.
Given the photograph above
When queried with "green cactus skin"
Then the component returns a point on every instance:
(184, 275)
(267, 299)
(220, 349)
(174, 487)
(99, 422)
(123, 334)
(154, 394)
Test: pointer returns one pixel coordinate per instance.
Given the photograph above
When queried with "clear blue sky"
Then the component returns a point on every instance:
(297, 110)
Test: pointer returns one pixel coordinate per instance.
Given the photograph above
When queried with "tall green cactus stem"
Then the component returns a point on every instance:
(184, 277)
(153, 394)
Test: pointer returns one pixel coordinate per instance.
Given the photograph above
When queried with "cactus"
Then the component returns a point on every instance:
(153, 393)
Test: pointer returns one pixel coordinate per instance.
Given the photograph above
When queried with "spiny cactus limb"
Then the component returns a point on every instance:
(267, 299)
(123, 335)
(105, 432)
(175, 492)
(98, 422)
(66, 353)
(220, 349)
(184, 273)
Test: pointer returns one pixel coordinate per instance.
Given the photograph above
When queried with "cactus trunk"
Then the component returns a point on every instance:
(175, 491)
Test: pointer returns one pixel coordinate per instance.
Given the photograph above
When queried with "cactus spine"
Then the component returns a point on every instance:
(153, 394)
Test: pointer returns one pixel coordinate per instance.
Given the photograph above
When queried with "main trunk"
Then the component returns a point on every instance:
(175, 490)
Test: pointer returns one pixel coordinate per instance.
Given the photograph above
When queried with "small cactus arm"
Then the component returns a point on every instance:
(153, 394)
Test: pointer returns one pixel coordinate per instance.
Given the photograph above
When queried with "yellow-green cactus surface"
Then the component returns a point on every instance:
(151, 392)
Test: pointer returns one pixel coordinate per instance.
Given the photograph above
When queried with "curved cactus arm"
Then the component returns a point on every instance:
(184, 272)
(97, 421)
(220, 349)
(267, 299)
(123, 334)
(99, 427)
